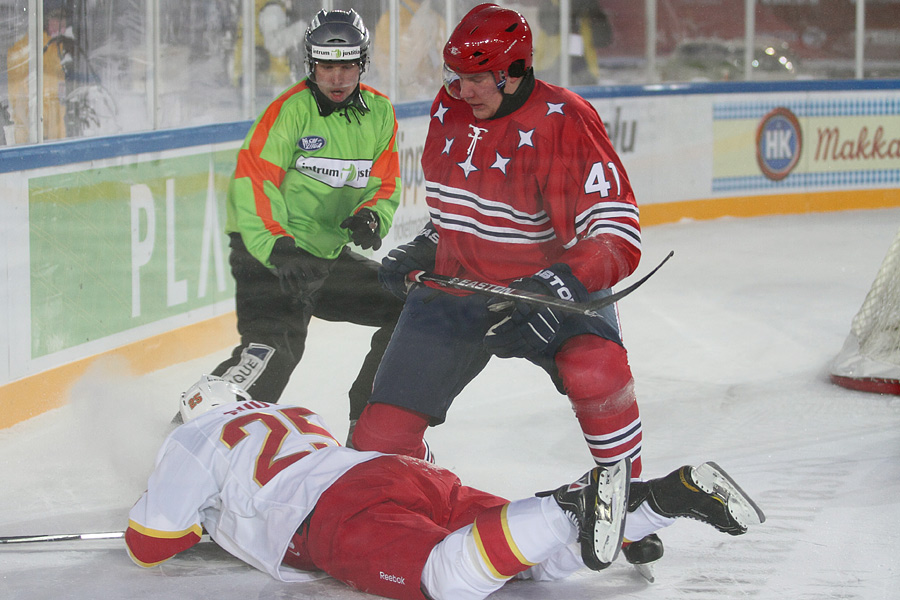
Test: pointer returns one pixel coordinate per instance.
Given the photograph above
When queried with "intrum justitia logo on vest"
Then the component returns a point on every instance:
(779, 142)
(349, 172)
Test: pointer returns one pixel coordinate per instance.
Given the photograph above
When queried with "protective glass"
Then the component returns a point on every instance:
(451, 82)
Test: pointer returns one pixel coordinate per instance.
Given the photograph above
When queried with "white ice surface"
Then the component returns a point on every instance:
(729, 344)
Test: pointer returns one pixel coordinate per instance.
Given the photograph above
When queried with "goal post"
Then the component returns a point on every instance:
(870, 358)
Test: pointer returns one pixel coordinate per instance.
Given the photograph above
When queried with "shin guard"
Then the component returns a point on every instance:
(599, 384)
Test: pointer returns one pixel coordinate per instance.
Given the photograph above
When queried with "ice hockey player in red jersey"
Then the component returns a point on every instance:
(271, 485)
(525, 190)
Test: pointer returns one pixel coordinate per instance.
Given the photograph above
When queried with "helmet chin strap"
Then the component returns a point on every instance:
(513, 101)
(500, 78)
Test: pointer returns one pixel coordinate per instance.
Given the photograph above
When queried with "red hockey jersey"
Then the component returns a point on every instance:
(512, 195)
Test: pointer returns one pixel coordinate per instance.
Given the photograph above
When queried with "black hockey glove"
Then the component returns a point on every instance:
(299, 272)
(363, 228)
(417, 255)
(529, 328)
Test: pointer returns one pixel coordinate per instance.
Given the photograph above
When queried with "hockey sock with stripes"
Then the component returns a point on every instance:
(598, 381)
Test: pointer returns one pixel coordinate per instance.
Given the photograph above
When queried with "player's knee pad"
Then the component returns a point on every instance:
(391, 429)
(596, 375)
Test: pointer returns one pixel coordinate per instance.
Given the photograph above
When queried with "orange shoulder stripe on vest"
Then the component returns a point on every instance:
(251, 164)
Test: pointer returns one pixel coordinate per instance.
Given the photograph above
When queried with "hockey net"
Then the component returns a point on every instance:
(870, 358)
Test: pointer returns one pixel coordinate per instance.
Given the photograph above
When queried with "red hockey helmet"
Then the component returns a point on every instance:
(490, 38)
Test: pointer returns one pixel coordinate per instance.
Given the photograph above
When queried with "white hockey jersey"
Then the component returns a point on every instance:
(248, 474)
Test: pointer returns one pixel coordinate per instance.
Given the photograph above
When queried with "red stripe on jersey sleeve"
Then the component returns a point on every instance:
(496, 545)
(148, 547)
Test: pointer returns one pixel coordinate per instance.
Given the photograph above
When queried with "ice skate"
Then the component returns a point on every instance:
(643, 554)
(705, 493)
(596, 504)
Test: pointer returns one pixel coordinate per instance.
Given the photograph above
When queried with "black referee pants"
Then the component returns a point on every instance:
(273, 325)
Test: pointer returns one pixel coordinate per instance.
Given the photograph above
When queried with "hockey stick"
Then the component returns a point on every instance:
(61, 537)
(71, 537)
(584, 308)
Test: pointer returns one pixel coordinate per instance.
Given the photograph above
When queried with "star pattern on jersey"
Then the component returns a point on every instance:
(440, 112)
(467, 166)
(500, 162)
(448, 143)
(525, 138)
(555, 108)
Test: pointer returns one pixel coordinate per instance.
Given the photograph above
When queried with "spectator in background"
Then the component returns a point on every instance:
(420, 41)
(277, 41)
(56, 55)
(589, 29)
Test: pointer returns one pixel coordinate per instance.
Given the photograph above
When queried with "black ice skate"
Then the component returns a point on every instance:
(643, 553)
(705, 493)
(596, 504)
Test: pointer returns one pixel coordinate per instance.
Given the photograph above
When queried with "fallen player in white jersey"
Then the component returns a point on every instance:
(271, 485)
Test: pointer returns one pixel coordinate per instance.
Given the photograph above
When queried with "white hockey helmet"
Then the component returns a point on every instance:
(207, 394)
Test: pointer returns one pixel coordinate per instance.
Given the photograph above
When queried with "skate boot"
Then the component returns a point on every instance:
(596, 505)
(643, 551)
(705, 493)
(643, 554)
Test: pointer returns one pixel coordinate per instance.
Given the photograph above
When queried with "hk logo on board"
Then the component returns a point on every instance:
(779, 142)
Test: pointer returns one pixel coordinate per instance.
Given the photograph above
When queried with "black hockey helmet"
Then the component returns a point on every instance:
(337, 36)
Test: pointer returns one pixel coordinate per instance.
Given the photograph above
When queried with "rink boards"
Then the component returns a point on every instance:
(113, 247)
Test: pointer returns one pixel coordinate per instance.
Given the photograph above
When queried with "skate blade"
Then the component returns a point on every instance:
(646, 571)
(713, 479)
(609, 527)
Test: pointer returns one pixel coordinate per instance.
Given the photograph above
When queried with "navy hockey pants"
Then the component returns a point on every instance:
(437, 349)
